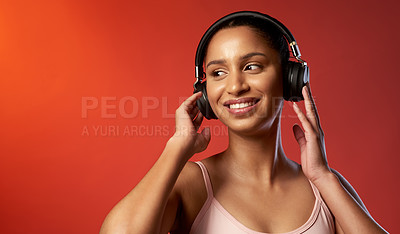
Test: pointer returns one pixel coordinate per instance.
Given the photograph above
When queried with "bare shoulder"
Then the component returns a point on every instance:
(192, 193)
(190, 177)
(349, 189)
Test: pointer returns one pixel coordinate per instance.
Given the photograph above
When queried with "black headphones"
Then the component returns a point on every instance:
(296, 73)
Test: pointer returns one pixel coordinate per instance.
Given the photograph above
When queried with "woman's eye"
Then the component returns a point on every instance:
(218, 73)
(251, 67)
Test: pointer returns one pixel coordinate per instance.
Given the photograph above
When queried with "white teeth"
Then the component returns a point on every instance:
(241, 105)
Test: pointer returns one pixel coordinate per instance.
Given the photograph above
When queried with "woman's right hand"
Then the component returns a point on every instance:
(188, 119)
(152, 206)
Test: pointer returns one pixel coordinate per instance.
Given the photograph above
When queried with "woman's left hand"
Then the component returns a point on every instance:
(311, 141)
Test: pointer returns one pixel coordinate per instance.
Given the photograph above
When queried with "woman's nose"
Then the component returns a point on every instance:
(237, 84)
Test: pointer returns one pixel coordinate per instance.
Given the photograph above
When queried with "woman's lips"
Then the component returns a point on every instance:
(241, 106)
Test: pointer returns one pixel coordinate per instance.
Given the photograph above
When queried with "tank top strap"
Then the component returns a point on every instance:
(315, 190)
(206, 179)
(330, 222)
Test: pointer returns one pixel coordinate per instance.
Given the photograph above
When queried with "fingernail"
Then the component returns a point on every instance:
(295, 105)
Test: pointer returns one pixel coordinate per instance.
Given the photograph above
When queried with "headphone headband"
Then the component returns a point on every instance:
(257, 15)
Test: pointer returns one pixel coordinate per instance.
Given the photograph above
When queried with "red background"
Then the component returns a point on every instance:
(54, 178)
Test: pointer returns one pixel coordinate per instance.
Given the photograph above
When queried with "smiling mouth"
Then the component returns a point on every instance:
(241, 103)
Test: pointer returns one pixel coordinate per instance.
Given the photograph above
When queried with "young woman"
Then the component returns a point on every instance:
(252, 186)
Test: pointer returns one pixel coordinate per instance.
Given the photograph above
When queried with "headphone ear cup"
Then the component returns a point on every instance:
(202, 103)
(297, 76)
(287, 81)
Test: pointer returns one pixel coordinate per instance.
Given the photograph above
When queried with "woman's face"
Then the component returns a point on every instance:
(244, 79)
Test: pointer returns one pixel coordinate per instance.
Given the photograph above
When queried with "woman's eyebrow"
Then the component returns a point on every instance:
(244, 57)
(249, 55)
(219, 61)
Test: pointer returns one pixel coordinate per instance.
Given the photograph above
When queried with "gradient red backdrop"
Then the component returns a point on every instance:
(88, 90)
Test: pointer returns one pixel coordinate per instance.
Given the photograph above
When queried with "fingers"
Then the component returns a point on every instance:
(299, 136)
(308, 103)
(189, 105)
(188, 114)
(303, 119)
(191, 101)
(311, 109)
(193, 112)
(198, 119)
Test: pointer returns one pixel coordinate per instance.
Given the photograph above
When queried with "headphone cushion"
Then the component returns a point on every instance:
(202, 103)
(295, 78)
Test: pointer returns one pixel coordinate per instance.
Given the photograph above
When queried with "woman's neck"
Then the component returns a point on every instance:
(260, 157)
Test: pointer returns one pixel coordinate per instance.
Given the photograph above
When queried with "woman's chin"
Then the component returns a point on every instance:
(248, 126)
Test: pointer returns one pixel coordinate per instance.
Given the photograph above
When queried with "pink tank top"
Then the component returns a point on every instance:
(214, 219)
